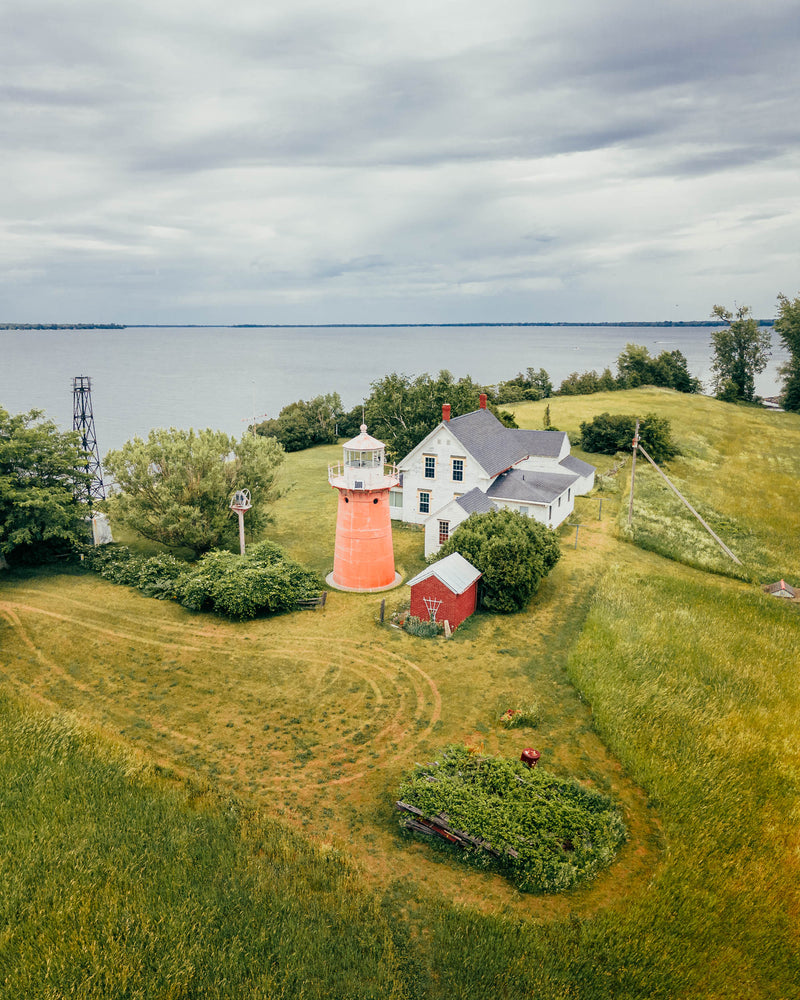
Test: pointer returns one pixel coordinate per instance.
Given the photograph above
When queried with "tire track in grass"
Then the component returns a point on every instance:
(407, 702)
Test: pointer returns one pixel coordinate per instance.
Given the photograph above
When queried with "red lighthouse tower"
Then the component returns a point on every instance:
(363, 558)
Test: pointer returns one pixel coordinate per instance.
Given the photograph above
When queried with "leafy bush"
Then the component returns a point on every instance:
(513, 552)
(263, 581)
(155, 576)
(609, 433)
(560, 832)
(158, 576)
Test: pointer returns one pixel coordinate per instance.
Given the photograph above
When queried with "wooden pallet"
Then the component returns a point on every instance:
(439, 826)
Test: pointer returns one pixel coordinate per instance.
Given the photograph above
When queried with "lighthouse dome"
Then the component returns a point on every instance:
(364, 442)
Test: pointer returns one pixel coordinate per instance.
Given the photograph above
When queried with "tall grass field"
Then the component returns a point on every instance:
(191, 807)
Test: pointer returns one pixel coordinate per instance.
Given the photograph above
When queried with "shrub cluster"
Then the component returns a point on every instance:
(513, 552)
(609, 433)
(560, 832)
(264, 581)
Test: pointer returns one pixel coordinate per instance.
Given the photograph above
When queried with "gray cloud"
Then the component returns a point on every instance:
(220, 164)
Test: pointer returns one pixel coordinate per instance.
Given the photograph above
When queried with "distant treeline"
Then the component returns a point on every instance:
(61, 326)
(409, 326)
(400, 410)
(348, 326)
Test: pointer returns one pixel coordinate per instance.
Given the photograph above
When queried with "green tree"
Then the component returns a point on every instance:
(540, 381)
(583, 384)
(741, 351)
(400, 410)
(787, 326)
(671, 370)
(513, 552)
(305, 424)
(40, 468)
(175, 488)
(609, 433)
(532, 385)
(635, 366)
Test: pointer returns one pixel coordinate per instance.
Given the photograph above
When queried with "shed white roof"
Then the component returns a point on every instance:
(455, 572)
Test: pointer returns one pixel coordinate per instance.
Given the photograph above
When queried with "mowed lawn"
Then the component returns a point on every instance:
(670, 688)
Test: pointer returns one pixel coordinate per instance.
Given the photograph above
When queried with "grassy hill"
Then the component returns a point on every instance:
(196, 808)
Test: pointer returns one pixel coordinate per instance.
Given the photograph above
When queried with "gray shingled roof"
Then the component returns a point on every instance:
(455, 572)
(577, 465)
(497, 447)
(530, 487)
(475, 502)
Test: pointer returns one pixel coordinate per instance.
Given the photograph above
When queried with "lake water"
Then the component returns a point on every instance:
(221, 377)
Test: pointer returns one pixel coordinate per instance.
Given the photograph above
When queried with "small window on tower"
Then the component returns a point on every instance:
(430, 467)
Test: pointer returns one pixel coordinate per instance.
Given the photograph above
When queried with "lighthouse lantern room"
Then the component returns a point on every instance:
(363, 557)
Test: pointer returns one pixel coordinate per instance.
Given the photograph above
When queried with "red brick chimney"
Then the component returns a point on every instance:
(482, 401)
(445, 411)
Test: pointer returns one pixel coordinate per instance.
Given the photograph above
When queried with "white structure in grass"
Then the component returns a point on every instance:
(240, 502)
(474, 464)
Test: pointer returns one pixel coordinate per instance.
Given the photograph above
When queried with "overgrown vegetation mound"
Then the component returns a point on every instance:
(543, 832)
(263, 581)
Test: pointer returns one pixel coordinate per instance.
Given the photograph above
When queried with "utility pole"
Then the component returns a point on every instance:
(633, 471)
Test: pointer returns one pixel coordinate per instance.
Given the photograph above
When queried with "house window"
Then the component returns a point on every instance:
(424, 503)
(444, 531)
(559, 501)
(430, 467)
(568, 493)
(395, 499)
(550, 513)
(458, 470)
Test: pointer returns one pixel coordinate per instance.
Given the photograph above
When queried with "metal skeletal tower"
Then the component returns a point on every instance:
(83, 423)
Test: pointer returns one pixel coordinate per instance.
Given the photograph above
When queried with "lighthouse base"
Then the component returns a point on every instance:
(329, 579)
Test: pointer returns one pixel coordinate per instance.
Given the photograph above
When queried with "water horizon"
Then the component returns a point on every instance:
(145, 377)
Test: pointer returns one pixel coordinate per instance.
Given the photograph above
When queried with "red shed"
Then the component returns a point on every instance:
(446, 591)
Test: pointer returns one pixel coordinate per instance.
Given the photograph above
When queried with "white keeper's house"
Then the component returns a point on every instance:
(475, 464)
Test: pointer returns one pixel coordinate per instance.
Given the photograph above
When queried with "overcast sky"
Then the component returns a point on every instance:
(168, 161)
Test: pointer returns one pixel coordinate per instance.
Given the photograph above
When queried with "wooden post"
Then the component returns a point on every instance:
(383, 609)
(600, 511)
(633, 472)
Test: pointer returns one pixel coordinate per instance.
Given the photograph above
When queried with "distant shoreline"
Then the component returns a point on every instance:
(346, 326)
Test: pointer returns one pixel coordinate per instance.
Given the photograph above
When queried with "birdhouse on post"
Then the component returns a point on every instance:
(241, 504)
(363, 557)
